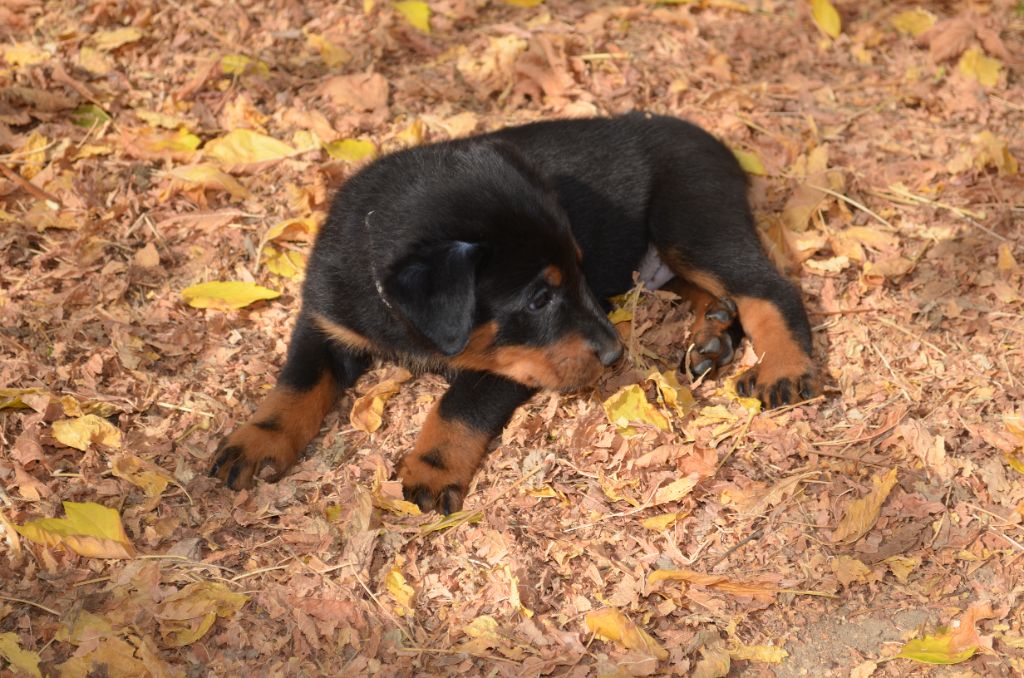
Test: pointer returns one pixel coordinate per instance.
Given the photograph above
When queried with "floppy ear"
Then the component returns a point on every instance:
(436, 290)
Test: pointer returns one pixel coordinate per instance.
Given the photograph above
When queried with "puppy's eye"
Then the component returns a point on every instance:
(540, 299)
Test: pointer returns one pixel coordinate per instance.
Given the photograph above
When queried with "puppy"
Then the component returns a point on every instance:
(491, 258)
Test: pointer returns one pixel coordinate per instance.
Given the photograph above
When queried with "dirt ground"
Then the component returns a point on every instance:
(148, 147)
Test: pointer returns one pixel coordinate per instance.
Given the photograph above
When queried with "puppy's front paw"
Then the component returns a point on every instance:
(246, 451)
(776, 390)
(715, 338)
(430, 484)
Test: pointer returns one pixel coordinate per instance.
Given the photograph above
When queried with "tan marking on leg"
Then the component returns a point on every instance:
(781, 354)
(283, 425)
(342, 334)
(445, 459)
(553, 275)
(707, 281)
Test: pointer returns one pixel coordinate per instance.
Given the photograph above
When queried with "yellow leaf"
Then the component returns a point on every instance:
(32, 154)
(332, 54)
(992, 151)
(89, 530)
(156, 142)
(1015, 461)
(94, 61)
(935, 650)
(861, 514)
(187, 615)
(413, 134)
(23, 661)
(671, 393)
(226, 295)
(610, 624)
(157, 119)
(1006, 261)
(209, 177)
(902, 566)
(891, 267)
(513, 595)
(292, 229)
(768, 654)
(453, 520)
(13, 398)
(23, 54)
(400, 591)
(827, 18)
(285, 263)
(351, 150)
(756, 590)
(239, 64)
(244, 146)
(482, 627)
(368, 408)
(913, 21)
(416, 12)
(974, 64)
(623, 314)
(849, 570)
(806, 199)
(81, 432)
(111, 40)
(750, 162)
(151, 478)
(675, 490)
(548, 492)
(661, 522)
(628, 406)
(523, 3)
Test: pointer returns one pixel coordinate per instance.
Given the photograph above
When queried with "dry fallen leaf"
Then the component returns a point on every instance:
(610, 624)
(244, 147)
(81, 432)
(756, 590)
(351, 150)
(151, 478)
(826, 17)
(629, 406)
(226, 294)
(368, 409)
(23, 661)
(400, 591)
(416, 12)
(187, 615)
(860, 514)
(89, 530)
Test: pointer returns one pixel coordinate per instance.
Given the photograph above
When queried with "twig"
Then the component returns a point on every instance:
(892, 372)
(28, 185)
(967, 215)
(907, 332)
(190, 410)
(851, 201)
(29, 602)
(756, 534)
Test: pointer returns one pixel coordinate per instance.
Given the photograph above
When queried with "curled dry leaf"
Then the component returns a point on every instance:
(82, 432)
(610, 624)
(187, 615)
(758, 591)
(861, 514)
(367, 410)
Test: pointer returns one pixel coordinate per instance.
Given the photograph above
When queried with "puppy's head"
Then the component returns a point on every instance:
(493, 280)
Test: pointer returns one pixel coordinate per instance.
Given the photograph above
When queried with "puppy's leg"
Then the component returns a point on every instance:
(314, 374)
(703, 229)
(454, 439)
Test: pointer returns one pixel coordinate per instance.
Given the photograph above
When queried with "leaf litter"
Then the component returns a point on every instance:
(646, 527)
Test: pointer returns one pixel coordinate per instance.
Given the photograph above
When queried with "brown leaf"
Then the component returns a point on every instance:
(358, 91)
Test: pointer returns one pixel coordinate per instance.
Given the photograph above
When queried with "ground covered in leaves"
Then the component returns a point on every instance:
(146, 148)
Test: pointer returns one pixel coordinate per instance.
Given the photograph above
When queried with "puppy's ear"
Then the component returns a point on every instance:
(436, 291)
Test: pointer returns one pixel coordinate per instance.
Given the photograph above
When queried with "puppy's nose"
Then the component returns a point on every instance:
(610, 353)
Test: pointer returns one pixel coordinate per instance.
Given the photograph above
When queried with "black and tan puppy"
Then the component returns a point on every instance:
(490, 258)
